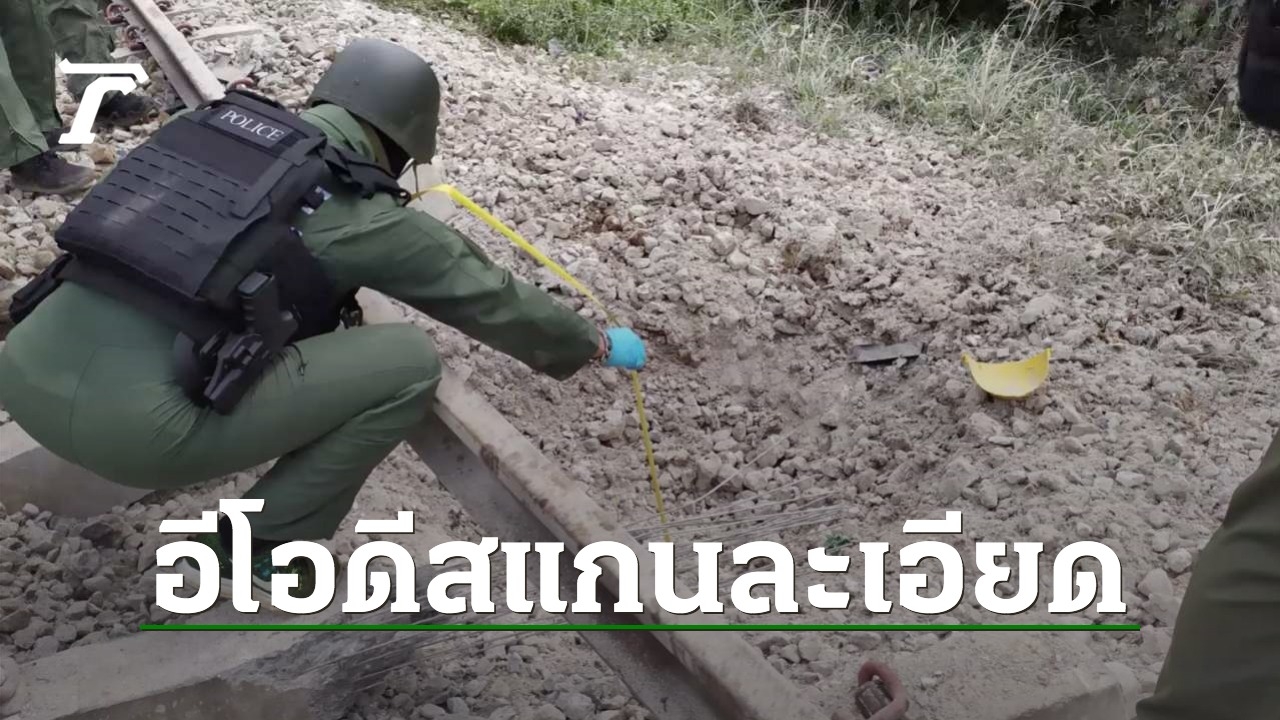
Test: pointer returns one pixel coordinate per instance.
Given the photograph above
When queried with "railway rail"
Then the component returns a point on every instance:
(502, 480)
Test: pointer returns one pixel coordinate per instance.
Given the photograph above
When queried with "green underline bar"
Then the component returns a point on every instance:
(560, 627)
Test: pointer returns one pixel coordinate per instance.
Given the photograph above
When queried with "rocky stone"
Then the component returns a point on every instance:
(1072, 446)
(44, 647)
(1156, 582)
(1178, 561)
(435, 689)
(989, 496)
(24, 639)
(1158, 518)
(737, 260)
(810, 649)
(65, 633)
(723, 244)
(790, 653)
(1129, 479)
(44, 207)
(1052, 419)
(753, 206)
(982, 426)
(1163, 608)
(101, 154)
(84, 563)
(546, 712)
(575, 706)
(15, 621)
(106, 531)
(1038, 308)
(98, 583)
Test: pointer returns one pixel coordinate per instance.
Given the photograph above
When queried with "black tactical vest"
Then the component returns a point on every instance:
(1259, 69)
(196, 227)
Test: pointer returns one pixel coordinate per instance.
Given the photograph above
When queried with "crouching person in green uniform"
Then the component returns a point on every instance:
(193, 327)
(1224, 661)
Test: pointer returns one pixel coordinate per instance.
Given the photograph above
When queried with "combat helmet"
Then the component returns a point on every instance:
(391, 88)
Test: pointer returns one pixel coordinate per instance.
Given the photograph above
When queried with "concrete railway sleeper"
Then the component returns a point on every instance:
(500, 478)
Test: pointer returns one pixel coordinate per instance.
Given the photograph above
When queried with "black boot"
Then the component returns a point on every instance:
(51, 139)
(120, 110)
(48, 174)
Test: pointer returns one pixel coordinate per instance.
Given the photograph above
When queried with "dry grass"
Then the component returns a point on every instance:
(1190, 187)
(1181, 184)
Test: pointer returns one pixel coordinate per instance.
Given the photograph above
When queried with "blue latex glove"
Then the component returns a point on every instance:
(626, 349)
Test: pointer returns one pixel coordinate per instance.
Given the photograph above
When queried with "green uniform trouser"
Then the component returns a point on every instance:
(80, 35)
(330, 411)
(92, 379)
(1224, 663)
(27, 81)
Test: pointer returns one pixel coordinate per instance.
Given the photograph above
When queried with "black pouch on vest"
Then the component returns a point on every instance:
(195, 226)
(1258, 74)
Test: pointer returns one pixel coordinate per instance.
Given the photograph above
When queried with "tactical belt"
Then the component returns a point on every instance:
(213, 365)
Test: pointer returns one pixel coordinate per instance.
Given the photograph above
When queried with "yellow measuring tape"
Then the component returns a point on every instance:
(551, 265)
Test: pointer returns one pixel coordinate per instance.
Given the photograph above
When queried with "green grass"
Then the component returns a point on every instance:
(1181, 183)
(596, 26)
(1181, 180)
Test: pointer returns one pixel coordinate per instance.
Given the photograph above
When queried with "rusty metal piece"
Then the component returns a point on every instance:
(115, 13)
(133, 38)
(244, 82)
(880, 694)
(187, 29)
(164, 5)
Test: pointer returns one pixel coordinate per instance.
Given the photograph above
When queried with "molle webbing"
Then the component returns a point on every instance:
(227, 176)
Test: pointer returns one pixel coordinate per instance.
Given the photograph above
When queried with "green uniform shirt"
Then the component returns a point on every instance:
(422, 262)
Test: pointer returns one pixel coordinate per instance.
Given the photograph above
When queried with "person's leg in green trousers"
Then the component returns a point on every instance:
(27, 107)
(80, 35)
(1224, 663)
(330, 410)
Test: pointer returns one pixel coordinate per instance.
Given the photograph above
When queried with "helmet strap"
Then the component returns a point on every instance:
(375, 140)
(390, 155)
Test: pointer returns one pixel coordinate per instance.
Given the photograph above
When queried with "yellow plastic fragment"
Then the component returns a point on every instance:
(1014, 379)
